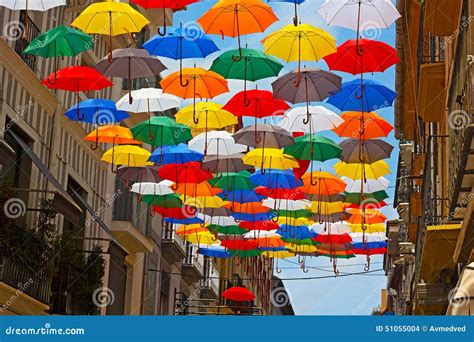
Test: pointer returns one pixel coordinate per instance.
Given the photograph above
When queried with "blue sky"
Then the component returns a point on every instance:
(352, 295)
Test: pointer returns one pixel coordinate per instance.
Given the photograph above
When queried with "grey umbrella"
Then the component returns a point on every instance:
(139, 174)
(315, 85)
(226, 163)
(264, 135)
(130, 63)
(367, 151)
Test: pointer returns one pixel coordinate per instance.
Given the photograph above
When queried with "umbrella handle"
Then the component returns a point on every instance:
(311, 180)
(236, 221)
(298, 80)
(51, 82)
(284, 230)
(295, 18)
(174, 186)
(130, 98)
(276, 217)
(306, 120)
(95, 146)
(162, 34)
(367, 265)
(239, 57)
(114, 171)
(183, 82)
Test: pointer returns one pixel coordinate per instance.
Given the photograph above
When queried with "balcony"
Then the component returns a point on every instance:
(130, 222)
(174, 248)
(432, 298)
(210, 283)
(21, 290)
(192, 266)
(442, 17)
(32, 31)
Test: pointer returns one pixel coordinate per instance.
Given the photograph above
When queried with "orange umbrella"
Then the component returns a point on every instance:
(322, 183)
(363, 126)
(366, 216)
(197, 82)
(111, 134)
(196, 189)
(247, 208)
(234, 18)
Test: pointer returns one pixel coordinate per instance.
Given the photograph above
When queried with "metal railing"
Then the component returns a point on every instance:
(170, 235)
(29, 31)
(18, 275)
(211, 276)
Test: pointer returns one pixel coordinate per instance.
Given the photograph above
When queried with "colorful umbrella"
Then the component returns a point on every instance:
(296, 2)
(362, 171)
(205, 116)
(314, 147)
(225, 163)
(96, 111)
(363, 126)
(175, 154)
(111, 134)
(112, 18)
(310, 119)
(369, 151)
(302, 42)
(238, 294)
(184, 173)
(268, 136)
(322, 183)
(269, 158)
(233, 181)
(161, 130)
(234, 18)
(127, 155)
(275, 179)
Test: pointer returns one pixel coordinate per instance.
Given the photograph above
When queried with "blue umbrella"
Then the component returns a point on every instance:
(188, 220)
(296, 2)
(241, 196)
(369, 245)
(175, 154)
(295, 232)
(374, 96)
(181, 43)
(96, 111)
(274, 179)
(253, 217)
(214, 252)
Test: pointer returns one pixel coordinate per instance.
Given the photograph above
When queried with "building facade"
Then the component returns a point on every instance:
(127, 261)
(433, 238)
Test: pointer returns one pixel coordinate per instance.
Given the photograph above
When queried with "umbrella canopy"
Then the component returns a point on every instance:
(111, 134)
(139, 174)
(269, 136)
(285, 204)
(362, 171)
(322, 183)
(147, 100)
(330, 228)
(363, 126)
(234, 18)
(225, 163)
(157, 189)
(242, 196)
(369, 151)
(275, 179)
(96, 111)
(112, 18)
(366, 216)
(34, 5)
(77, 78)
(215, 252)
(161, 130)
(316, 85)
(359, 15)
(270, 158)
(314, 147)
(233, 181)
(216, 143)
(238, 294)
(184, 173)
(127, 155)
(175, 154)
(205, 115)
(320, 119)
(197, 189)
(361, 56)
(302, 42)
(369, 185)
(256, 103)
(362, 96)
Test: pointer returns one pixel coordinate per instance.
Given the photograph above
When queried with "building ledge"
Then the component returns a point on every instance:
(465, 243)
(131, 238)
(432, 92)
(442, 17)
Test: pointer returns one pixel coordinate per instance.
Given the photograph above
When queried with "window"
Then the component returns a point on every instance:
(75, 190)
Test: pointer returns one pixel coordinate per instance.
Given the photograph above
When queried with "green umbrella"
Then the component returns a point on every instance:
(230, 181)
(295, 213)
(357, 197)
(59, 42)
(236, 230)
(165, 201)
(161, 130)
(314, 147)
(254, 66)
(298, 242)
(246, 253)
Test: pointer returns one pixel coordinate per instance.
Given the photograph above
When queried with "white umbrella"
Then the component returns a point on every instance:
(218, 143)
(330, 228)
(369, 185)
(359, 15)
(148, 188)
(259, 234)
(34, 5)
(223, 221)
(148, 100)
(320, 119)
(375, 237)
(282, 204)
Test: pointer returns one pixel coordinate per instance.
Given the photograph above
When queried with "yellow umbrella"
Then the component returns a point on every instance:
(327, 208)
(110, 18)
(270, 158)
(191, 229)
(303, 42)
(292, 221)
(278, 254)
(128, 155)
(301, 248)
(204, 201)
(207, 116)
(201, 238)
(367, 228)
(362, 171)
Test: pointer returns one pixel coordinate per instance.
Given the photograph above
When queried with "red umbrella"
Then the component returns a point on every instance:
(176, 213)
(238, 294)
(333, 238)
(370, 56)
(164, 4)
(77, 78)
(241, 245)
(259, 225)
(184, 173)
(369, 205)
(287, 194)
(256, 103)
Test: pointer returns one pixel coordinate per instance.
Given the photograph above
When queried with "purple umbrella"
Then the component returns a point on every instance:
(366, 151)
(225, 163)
